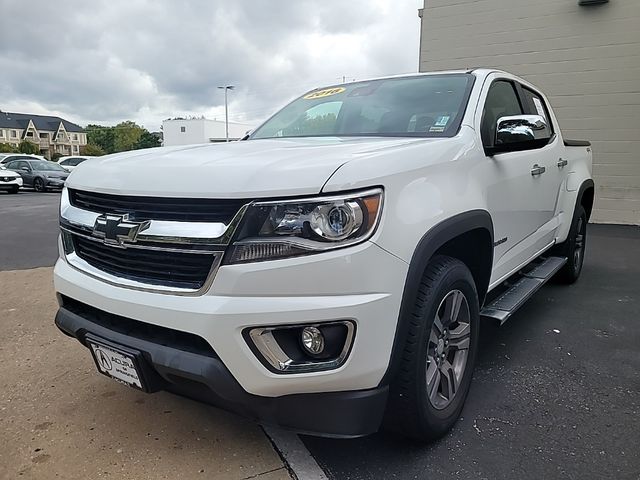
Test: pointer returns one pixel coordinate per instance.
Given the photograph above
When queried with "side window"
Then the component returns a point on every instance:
(534, 105)
(12, 165)
(65, 162)
(502, 101)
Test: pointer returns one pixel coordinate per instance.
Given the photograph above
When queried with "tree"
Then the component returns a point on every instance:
(127, 135)
(7, 148)
(124, 136)
(147, 140)
(91, 150)
(28, 147)
(103, 137)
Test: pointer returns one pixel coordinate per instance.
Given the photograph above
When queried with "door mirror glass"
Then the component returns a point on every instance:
(521, 132)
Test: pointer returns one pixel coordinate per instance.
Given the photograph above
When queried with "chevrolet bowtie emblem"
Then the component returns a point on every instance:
(117, 229)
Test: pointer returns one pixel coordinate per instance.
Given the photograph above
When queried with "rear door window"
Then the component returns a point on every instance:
(534, 105)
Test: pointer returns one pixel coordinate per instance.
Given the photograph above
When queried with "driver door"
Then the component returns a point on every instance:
(26, 172)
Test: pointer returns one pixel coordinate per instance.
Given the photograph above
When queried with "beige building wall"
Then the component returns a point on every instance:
(585, 59)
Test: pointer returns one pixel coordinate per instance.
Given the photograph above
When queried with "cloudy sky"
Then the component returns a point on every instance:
(104, 61)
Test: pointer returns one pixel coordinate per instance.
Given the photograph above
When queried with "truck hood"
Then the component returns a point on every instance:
(247, 169)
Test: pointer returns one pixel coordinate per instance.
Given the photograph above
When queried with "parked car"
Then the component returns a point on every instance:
(71, 162)
(42, 175)
(10, 181)
(8, 157)
(332, 269)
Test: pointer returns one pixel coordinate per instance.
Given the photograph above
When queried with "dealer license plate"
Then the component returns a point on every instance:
(117, 364)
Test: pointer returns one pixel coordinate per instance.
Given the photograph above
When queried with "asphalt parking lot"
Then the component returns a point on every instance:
(556, 393)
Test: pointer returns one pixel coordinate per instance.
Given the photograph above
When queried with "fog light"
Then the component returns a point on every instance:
(312, 340)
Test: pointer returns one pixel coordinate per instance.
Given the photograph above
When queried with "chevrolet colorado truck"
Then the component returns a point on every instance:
(328, 273)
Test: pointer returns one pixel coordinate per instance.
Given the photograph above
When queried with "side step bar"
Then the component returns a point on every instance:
(502, 307)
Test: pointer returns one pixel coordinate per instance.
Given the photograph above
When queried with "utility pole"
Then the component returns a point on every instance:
(226, 109)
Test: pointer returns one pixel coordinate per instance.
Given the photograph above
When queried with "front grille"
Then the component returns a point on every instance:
(154, 208)
(155, 267)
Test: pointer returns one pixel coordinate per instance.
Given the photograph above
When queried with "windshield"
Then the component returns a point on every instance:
(421, 106)
(46, 166)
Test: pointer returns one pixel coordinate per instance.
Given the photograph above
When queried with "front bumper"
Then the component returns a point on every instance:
(202, 376)
(11, 184)
(55, 183)
(362, 284)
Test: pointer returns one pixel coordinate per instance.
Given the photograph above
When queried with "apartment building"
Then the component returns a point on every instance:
(51, 134)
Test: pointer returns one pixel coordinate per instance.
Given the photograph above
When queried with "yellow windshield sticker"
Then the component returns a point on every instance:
(327, 92)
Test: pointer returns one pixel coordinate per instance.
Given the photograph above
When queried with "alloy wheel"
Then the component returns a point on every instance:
(578, 250)
(448, 349)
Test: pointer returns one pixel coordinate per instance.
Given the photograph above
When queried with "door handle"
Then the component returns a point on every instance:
(537, 170)
(562, 163)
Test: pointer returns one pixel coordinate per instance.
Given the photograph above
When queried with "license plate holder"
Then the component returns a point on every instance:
(117, 362)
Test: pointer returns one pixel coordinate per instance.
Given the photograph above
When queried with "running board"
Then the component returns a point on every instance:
(521, 290)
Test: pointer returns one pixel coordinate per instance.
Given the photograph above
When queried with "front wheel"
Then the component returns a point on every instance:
(573, 248)
(38, 185)
(439, 355)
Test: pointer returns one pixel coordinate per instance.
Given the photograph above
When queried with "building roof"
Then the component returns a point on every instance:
(41, 122)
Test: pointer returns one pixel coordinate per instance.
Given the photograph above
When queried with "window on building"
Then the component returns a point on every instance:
(183, 129)
(1, 133)
(14, 134)
(30, 134)
(75, 148)
(75, 136)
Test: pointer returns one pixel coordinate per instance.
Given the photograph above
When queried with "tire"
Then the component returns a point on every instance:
(573, 248)
(38, 185)
(421, 406)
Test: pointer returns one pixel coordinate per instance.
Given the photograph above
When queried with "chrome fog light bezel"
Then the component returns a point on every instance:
(262, 342)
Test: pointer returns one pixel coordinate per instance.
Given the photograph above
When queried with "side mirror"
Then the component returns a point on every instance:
(520, 132)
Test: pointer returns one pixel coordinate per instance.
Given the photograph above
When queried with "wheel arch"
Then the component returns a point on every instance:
(467, 236)
(586, 196)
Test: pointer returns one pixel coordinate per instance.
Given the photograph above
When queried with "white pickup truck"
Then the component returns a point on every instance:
(331, 270)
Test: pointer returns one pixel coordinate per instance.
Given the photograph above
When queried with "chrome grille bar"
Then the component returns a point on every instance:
(119, 265)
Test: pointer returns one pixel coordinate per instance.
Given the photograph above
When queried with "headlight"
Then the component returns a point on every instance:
(289, 228)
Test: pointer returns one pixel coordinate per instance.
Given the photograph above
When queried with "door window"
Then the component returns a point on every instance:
(534, 105)
(502, 101)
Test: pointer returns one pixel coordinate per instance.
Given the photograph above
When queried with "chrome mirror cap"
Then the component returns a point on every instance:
(520, 132)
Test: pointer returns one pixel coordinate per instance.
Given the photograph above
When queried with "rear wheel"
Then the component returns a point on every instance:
(428, 394)
(573, 248)
(38, 185)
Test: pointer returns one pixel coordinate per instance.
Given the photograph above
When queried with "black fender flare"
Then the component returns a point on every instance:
(587, 184)
(429, 244)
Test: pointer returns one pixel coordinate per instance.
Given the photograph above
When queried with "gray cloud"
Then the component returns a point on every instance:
(106, 61)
